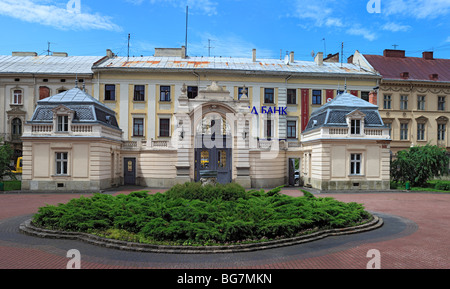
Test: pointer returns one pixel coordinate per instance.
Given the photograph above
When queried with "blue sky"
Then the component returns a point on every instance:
(234, 27)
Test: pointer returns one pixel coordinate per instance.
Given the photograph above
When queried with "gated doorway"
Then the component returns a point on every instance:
(213, 158)
(129, 173)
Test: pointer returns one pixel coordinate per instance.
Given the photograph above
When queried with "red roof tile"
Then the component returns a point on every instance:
(417, 68)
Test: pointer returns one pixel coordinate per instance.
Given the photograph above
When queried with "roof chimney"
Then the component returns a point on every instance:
(19, 53)
(394, 53)
(183, 52)
(291, 57)
(109, 53)
(319, 58)
(254, 55)
(404, 75)
(427, 55)
(434, 76)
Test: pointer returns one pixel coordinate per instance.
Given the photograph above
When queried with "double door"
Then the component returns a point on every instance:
(213, 159)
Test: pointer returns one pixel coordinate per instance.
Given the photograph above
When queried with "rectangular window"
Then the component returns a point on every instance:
(441, 103)
(317, 97)
(164, 92)
(63, 123)
(164, 127)
(387, 102)
(269, 95)
(389, 125)
(355, 164)
(139, 93)
(291, 96)
(192, 92)
(355, 127)
(420, 131)
(403, 131)
(291, 129)
(421, 102)
(61, 164)
(17, 96)
(441, 131)
(110, 92)
(365, 95)
(138, 127)
(403, 102)
(269, 128)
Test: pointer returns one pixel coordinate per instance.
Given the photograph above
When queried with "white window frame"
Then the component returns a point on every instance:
(61, 158)
(354, 162)
(17, 99)
(62, 123)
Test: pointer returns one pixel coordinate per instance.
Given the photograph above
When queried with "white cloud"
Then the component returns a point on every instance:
(420, 9)
(317, 13)
(360, 31)
(54, 16)
(395, 27)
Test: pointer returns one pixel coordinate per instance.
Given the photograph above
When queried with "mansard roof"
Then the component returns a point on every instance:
(86, 108)
(335, 112)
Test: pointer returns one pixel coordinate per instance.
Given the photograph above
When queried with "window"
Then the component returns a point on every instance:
(268, 128)
(387, 102)
(269, 95)
(63, 123)
(365, 95)
(139, 93)
(16, 127)
(403, 102)
(164, 92)
(138, 127)
(441, 131)
(222, 158)
(420, 131)
(403, 131)
(110, 92)
(17, 96)
(192, 92)
(291, 96)
(355, 164)
(421, 102)
(441, 102)
(316, 97)
(61, 164)
(291, 129)
(355, 126)
(44, 92)
(389, 125)
(242, 91)
(164, 127)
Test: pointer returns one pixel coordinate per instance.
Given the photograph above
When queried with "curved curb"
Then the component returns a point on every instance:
(28, 228)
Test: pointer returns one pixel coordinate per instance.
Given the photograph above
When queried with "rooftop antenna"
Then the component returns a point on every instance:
(187, 22)
(128, 57)
(342, 52)
(48, 48)
(209, 47)
(324, 46)
(395, 46)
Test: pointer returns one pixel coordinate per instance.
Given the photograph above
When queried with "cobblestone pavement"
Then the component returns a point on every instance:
(415, 235)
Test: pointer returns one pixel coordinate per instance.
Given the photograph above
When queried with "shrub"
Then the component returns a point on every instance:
(442, 185)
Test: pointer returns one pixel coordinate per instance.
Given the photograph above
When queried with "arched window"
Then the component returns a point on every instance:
(44, 92)
(16, 127)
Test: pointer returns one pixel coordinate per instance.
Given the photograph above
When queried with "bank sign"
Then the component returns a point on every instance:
(269, 110)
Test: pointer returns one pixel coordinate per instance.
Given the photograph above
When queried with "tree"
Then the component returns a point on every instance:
(6, 153)
(418, 164)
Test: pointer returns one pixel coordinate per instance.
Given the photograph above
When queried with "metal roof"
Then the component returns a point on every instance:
(418, 68)
(229, 64)
(47, 64)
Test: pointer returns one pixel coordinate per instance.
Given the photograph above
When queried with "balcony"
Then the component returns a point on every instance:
(147, 145)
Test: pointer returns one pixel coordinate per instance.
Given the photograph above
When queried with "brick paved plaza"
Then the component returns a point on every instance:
(414, 236)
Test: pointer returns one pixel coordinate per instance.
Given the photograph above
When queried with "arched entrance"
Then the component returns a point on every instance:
(213, 148)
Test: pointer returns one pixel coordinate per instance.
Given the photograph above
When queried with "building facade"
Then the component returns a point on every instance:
(413, 97)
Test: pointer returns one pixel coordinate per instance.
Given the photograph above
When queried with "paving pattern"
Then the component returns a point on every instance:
(415, 235)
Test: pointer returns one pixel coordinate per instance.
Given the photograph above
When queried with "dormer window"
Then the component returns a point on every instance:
(355, 127)
(63, 123)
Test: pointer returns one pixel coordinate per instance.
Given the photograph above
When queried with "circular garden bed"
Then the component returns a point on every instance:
(196, 218)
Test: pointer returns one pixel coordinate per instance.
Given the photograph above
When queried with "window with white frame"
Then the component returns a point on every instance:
(355, 164)
(62, 123)
(442, 127)
(421, 131)
(404, 131)
(17, 97)
(355, 126)
(291, 129)
(61, 163)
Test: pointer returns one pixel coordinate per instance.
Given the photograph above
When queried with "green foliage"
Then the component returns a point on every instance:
(6, 153)
(203, 215)
(442, 185)
(418, 164)
(12, 185)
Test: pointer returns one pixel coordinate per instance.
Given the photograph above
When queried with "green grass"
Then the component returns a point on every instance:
(191, 214)
(431, 186)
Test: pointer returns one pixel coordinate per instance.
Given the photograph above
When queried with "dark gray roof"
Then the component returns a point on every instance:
(333, 114)
(87, 109)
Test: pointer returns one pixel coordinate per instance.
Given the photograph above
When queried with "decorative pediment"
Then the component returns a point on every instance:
(442, 119)
(62, 109)
(422, 119)
(215, 92)
(356, 114)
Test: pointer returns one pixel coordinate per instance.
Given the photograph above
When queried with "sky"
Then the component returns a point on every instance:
(226, 28)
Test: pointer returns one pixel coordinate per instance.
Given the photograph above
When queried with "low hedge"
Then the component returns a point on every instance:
(11, 185)
(200, 215)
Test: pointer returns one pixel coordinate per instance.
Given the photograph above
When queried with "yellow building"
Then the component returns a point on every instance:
(413, 97)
